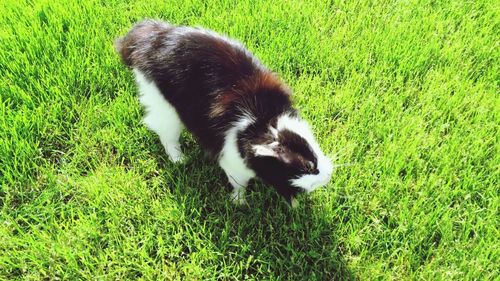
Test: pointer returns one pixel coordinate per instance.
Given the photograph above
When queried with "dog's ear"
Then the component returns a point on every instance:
(274, 150)
(266, 150)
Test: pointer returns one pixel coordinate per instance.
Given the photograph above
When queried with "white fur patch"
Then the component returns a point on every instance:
(161, 117)
(307, 182)
(232, 163)
(265, 149)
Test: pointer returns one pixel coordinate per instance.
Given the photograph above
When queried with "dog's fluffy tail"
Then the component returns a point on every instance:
(138, 38)
(123, 51)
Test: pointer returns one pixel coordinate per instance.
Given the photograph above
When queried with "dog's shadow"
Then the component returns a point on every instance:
(264, 238)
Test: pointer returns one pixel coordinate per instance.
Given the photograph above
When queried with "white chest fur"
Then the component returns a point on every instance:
(231, 161)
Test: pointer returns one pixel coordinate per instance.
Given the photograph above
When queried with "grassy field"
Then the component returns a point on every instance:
(404, 93)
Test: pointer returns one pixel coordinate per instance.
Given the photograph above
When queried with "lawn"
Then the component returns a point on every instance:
(403, 94)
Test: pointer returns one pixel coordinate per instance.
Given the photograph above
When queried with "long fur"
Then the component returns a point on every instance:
(238, 110)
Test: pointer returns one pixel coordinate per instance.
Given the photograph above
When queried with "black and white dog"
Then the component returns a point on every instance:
(238, 110)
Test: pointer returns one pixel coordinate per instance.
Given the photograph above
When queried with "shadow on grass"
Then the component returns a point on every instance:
(265, 239)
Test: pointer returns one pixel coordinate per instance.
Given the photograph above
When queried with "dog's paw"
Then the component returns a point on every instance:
(238, 197)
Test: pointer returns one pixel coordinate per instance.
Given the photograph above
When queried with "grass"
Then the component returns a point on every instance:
(404, 92)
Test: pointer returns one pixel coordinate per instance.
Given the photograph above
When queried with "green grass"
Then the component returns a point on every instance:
(404, 92)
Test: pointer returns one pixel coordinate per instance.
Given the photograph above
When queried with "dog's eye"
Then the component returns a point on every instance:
(309, 166)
